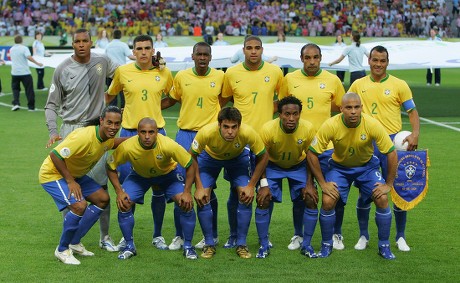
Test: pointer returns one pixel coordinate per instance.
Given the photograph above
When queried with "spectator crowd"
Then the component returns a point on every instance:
(231, 17)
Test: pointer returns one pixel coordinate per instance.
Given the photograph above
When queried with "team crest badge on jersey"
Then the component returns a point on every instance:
(195, 144)
(322, 85)
(363, 137)
(299, 141)
(157, 78)
(314, 141)
(387, 92)
(212, 84)
(237, 145)
(52, 88)
(65, 152)
(267, 79)
(159, 156)
(106, 148)
(99, 69)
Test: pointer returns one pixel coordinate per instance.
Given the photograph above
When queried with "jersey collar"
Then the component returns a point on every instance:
(282, 129)
(97, 134)
(382, 80)
(315, 75)
(260, 66)
(145, 147)
(207, 72)
(345, 124)
(139, 68)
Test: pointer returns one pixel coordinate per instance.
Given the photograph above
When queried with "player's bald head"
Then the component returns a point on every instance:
(146, 121)
(350, 96)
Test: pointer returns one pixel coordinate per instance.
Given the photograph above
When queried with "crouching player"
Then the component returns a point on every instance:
(287, 140)
(63, 176)
(353, 134)
(222, 145)
(154, 160)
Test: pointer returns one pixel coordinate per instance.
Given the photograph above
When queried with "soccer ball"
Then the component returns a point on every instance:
(398, 140)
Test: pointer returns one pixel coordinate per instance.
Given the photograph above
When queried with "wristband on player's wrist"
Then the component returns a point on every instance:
(263, 182)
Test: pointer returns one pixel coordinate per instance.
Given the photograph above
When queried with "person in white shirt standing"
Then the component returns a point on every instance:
(20, 72)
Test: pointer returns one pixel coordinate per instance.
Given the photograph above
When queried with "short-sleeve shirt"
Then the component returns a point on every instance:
(80, 150)
(353, 147)
(19, 61)
(253, 91)
(143, 90)
(383, 100)
(118, 51)
(210, 139)
(159, 160)
(355, 56)
(287, 149)
(199, 97)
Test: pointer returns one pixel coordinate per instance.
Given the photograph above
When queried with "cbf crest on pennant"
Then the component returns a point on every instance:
(411, 182)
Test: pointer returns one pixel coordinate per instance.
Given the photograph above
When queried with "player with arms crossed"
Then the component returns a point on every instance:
(353, 135)
(198, 91)
(253, 85)
(383, 95)
(143, 86)
(222, 145)
(154, 159)
(76, 95)
(318, 90)
(63, 175)
(286, 139)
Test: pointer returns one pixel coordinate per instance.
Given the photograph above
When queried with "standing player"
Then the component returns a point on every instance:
(222, 145)
(383, 96)
(63, 175)
(318, 90)
(286, 139)
(353, 135)
(76, 95)
(143, 85)
(253, 85)
(154, 159)
(197, 90)
(117, 50)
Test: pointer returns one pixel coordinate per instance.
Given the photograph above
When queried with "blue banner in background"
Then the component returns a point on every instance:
(5, 53)
(411, 183)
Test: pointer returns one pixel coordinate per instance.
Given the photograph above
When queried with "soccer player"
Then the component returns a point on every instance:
(253, 85)
(383, 95)
(198, 91)
(222, 145)
(286, 139)
(353, 135)
(63, 175)
(76, 95)
(154, 159)
(143, 86)
(318, 90)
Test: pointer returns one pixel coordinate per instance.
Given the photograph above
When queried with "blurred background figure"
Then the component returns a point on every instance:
(159, 41)
(38, 48)
(340, 44)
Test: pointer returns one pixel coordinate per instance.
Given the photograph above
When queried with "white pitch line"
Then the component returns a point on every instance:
(435, 123)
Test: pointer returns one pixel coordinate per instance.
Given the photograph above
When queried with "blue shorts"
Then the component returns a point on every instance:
(364, 177)
(59, 190)
(324, 160)
(238, 169)
(185, 139)
(132, 132)
(296, 175)
(252, 163)
(136, 186)
(383, 158)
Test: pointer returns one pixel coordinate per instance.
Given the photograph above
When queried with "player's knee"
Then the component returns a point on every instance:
(101, 199)
(328, 203)
(310, 203)
(78, 208)
(381, 202)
